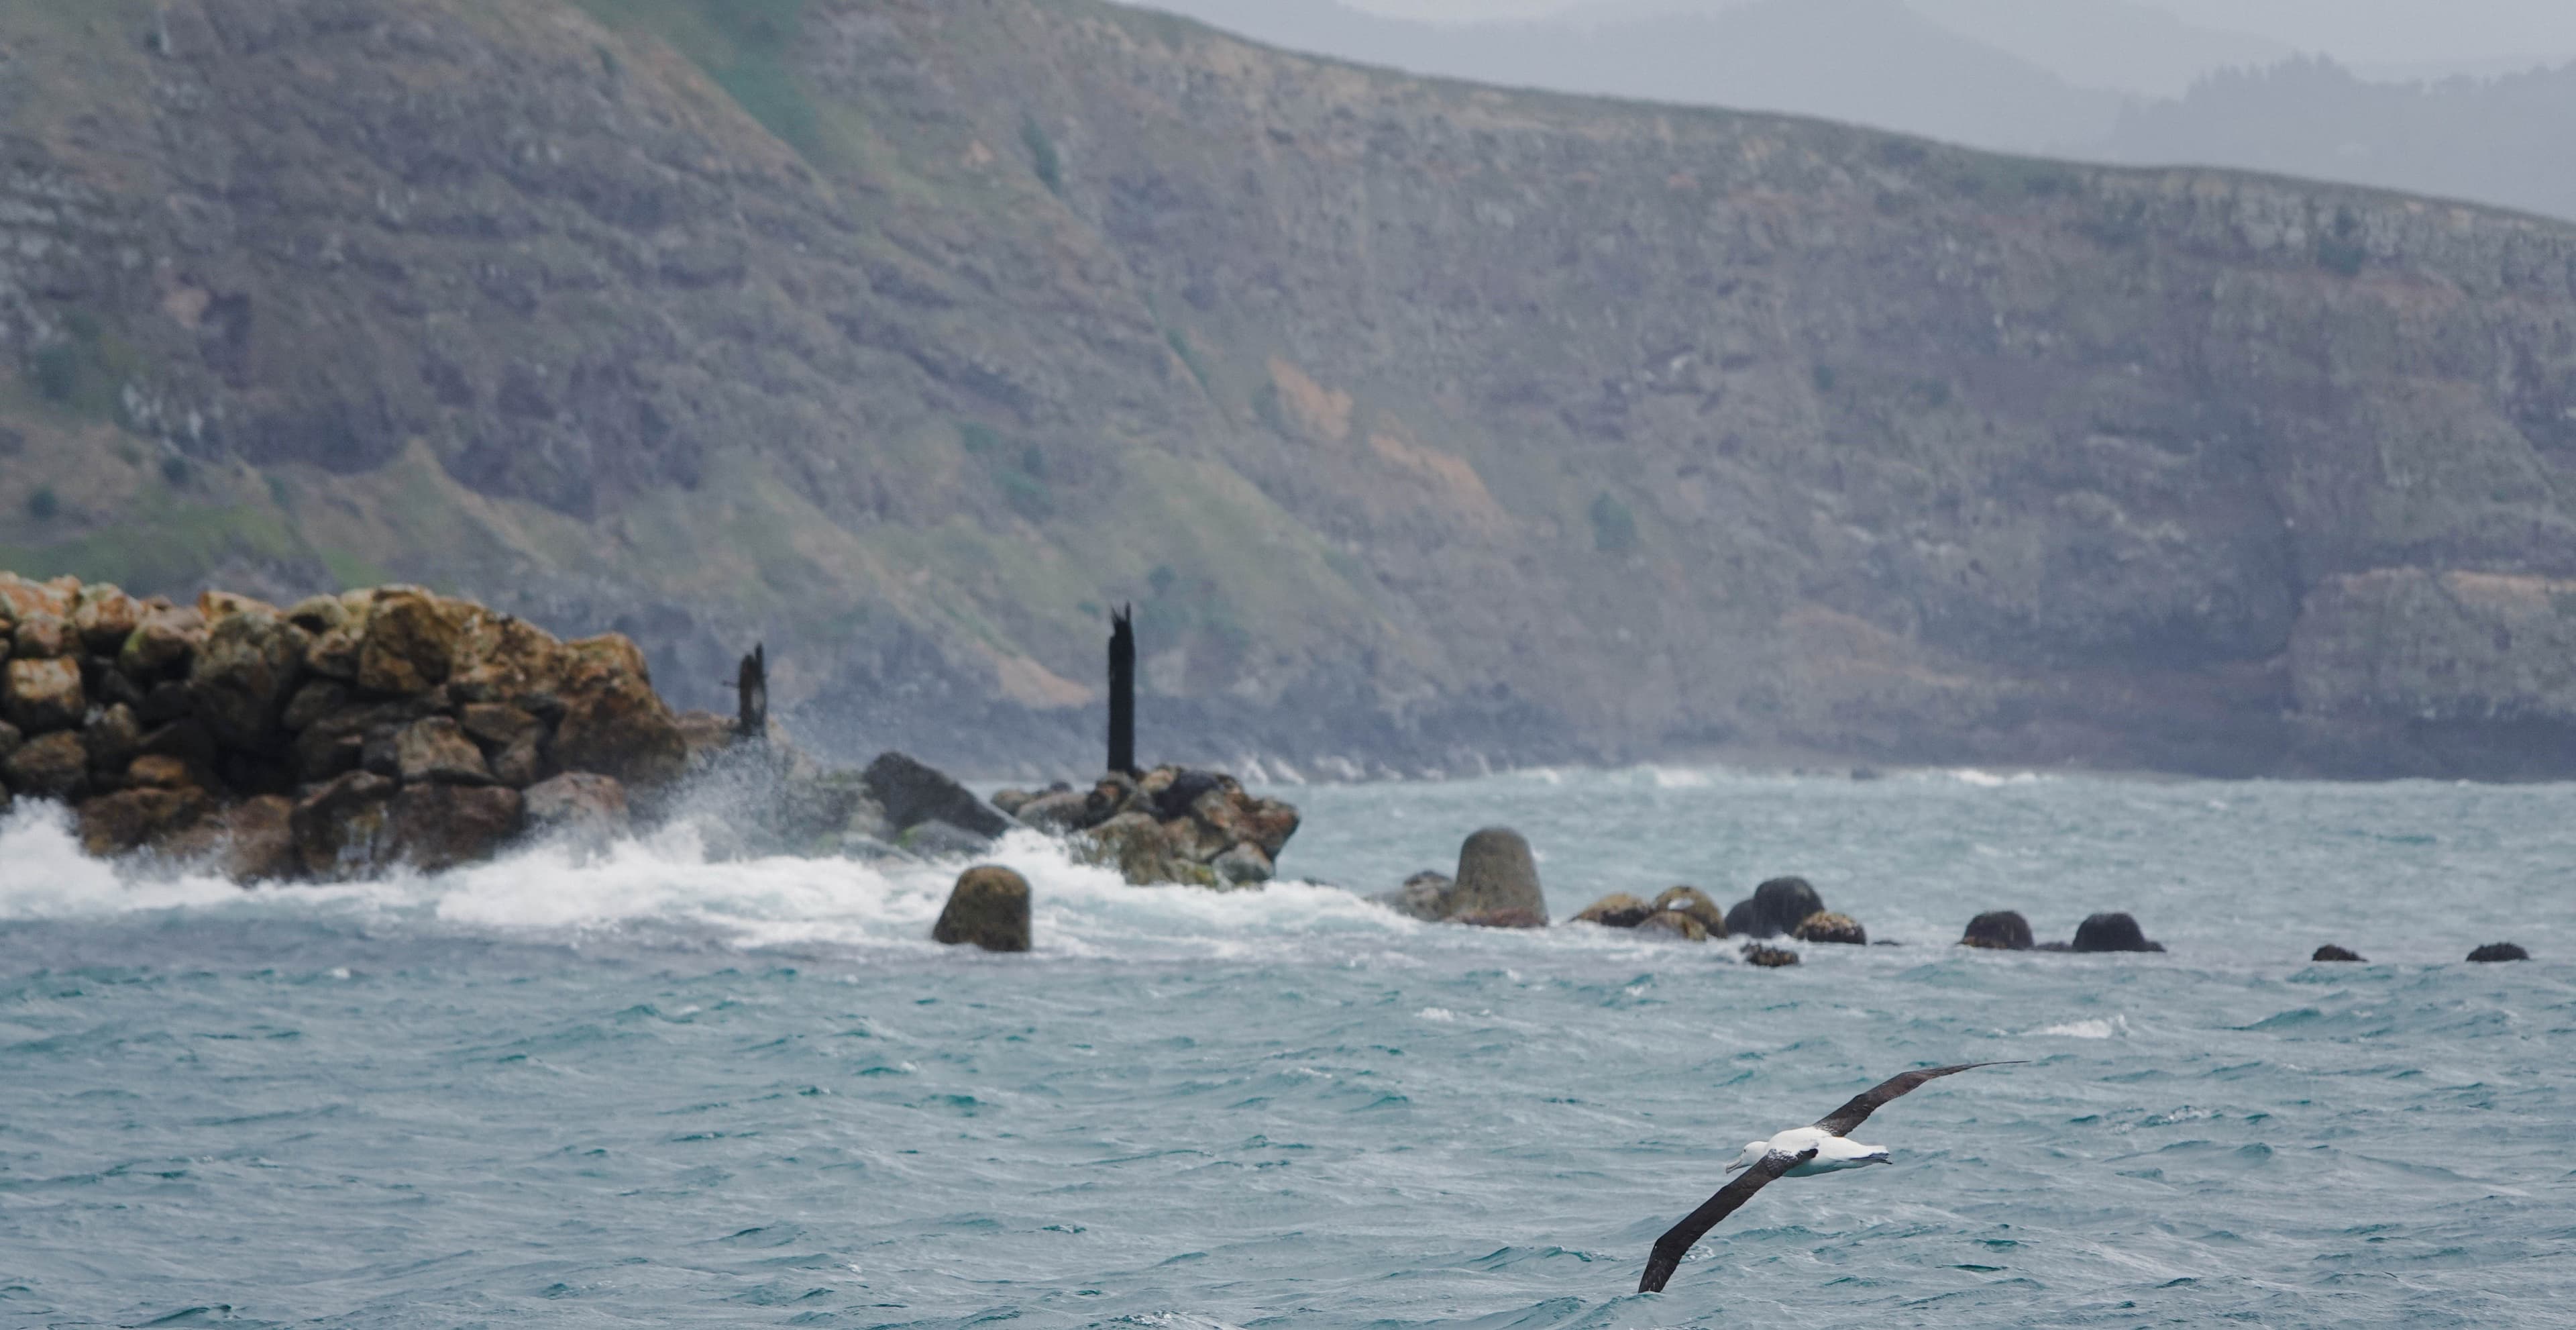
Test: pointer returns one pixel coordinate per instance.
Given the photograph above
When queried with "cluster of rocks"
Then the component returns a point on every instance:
(1784, 906)
(328, 739)
(2007, 930)
(1496, 886)
(1172, 826)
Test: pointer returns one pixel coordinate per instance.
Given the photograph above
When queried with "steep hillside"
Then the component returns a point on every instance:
(1422, 421)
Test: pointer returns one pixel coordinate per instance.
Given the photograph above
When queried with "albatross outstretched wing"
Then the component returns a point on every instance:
(1841, 1121)
(1673, 1245)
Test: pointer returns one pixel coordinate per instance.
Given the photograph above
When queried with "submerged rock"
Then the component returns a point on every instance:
(2331, 952)
(2112, 932)
(1774, 908)
(989, 907)
(1617, 910)
(2499, 951)
(1769, 958)
(1424, 896)
(1998, 930)
(1824, 926)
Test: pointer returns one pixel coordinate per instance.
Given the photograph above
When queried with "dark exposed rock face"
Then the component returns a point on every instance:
(1618, 910)
(2499, 951)
(2331, 952)
(1194, 828)
(1774, 908)
(2112, 932)
(989, 907)
(1769, 958)
(912, 793)
(587, 807)
(1997, 458)
(1998, 930)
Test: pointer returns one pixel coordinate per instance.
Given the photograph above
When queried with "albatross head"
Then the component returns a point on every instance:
(1753, 1152)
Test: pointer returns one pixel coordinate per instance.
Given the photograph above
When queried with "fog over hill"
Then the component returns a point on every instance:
(2464, 101)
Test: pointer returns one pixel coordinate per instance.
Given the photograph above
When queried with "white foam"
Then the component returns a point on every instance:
(1678, 778)
(44, 875)
(2092, 1029)
(1438, 1015)
(1990, 780)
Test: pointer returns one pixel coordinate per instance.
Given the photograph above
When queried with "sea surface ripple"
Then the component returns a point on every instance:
(647, 1089)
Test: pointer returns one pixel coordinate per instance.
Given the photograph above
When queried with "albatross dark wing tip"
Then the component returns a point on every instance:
(1676, 1243)
(1842, 1120)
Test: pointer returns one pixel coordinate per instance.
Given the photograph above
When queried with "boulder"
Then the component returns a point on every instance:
(104, 617)
(114, 824)
(989, 907)
(316, 699)
(2112, 932)
(1143, 851)
(522, 763)
(161, 646)
(1012, 800)
(2499, 951)
(1998, 930)
(339, 827)
(1824, 926)
(409, 645)
(158, 771)
(336, 651)
(53, 766)
(43, 637)
(617, 726)
(44, 695)
(1497, 880)
(1060, 814)
(1245, 865)
(434, 750)
(320, 614)
(10, 738)
(217, 606)
(21, 596)
(1774, 908)
(503, 658)
(1769, 958)
(912, 793)
(244, 674)
(1694, 902)
(1674, 926)
(166, 701)
(112, 738)
(583, 806)
(1616, 910)
(436, 827)
(2331, 952)
(252, 841)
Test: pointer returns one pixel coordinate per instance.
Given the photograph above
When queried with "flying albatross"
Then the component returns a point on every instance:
(1799, 1152)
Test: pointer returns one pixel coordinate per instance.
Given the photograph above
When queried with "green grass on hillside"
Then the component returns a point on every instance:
(743, 45)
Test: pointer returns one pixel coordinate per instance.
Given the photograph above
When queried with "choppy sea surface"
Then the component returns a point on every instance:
(653, 1090)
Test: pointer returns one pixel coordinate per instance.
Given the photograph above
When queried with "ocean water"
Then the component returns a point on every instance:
(651, 1090)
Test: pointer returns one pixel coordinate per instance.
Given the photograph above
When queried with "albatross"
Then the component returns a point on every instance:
(1800, 1152)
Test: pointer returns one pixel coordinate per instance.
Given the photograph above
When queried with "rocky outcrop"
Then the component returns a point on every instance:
(1774, 908)
(2499, 951)
(1998, 930)
(2112, 932)
(1696, 903)
(1769, 958)
(1673, 925)
(2331, 952)
(1176, 826)
(1497, 884)
(341, 737)
(989, 908)
(1825, 926)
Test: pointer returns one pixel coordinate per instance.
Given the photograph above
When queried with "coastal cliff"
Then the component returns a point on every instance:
(1425, 423)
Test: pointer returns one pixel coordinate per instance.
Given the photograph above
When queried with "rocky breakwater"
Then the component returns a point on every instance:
(334, 738)
(1173, 826)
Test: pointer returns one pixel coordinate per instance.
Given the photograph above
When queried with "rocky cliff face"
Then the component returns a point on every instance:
(1422, 421)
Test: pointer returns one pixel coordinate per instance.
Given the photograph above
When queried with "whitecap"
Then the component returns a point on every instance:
(2092, 1029)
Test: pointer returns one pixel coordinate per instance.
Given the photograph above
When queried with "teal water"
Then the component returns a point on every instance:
(650, 1090)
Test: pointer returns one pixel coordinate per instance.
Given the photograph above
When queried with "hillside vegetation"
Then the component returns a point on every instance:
(1423, 422)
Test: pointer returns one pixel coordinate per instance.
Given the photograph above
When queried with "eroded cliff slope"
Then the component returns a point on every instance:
(1420, 420)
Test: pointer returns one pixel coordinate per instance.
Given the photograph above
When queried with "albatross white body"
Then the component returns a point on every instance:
(1833, 1153)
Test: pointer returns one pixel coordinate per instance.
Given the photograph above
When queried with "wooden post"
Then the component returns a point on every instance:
(751, 686)
(1122, 690)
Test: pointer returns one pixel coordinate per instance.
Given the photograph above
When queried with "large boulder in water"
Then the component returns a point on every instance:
(1147, 852)
(1497, 882)
(2499, 951)
(912, 793)
(988, 907)
(2113, 932)
(1826, 926)
(121, 823)
(1774, 908)
(1998, 930)
(1617, 910)
(1696, 903)
(2331, 952)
